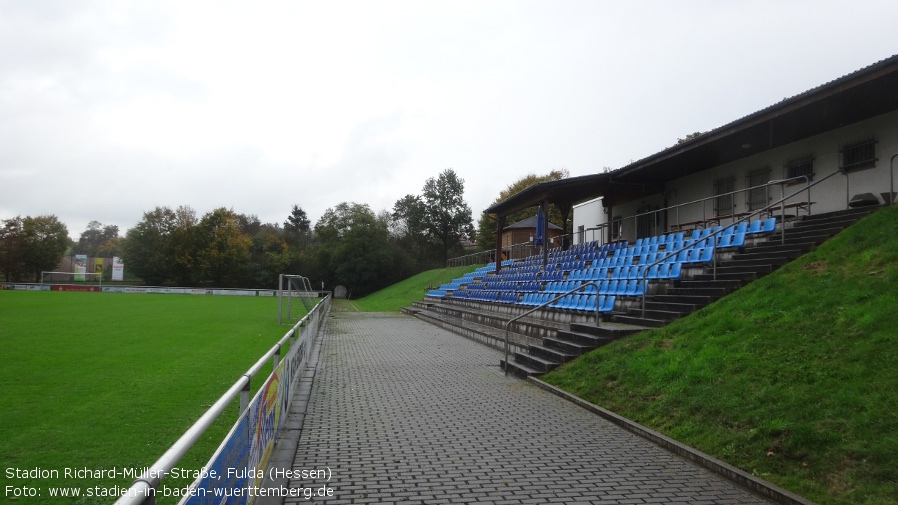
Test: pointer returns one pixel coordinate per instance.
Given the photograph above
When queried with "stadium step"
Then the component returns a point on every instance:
(541, 342)
(565, 346)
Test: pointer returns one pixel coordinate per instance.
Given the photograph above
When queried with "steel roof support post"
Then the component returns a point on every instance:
(500, 223)
(892, 179)
(783, 213)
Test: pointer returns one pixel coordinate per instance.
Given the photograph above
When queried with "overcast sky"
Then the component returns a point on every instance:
(111, 108)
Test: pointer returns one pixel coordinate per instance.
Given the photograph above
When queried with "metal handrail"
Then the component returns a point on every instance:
(534, 309)
(709, 198)
(142, 490)
(713, 236)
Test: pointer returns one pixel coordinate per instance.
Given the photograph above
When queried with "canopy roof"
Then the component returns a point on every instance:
(858, 96)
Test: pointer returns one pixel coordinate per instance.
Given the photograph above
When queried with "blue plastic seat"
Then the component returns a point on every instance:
(676, 269)
(655, 271)
(755, 226)
(769, 225)
(607, 304)
(612, 287)
(635, 287)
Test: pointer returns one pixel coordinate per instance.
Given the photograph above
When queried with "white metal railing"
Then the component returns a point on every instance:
(143, 489)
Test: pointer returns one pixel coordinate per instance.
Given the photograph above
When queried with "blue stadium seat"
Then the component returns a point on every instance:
(769, 225)
(755, 226)
(675, 271)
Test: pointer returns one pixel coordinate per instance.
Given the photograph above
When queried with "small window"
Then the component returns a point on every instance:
(581, 234)
(724, 204)
(859, 155)
(797, 167)
(757, 194)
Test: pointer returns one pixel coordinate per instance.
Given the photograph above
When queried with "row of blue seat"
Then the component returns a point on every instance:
(573, 302)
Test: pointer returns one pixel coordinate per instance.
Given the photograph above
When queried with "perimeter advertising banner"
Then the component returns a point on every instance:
(80, 266)
(239, 466)
(118, 269)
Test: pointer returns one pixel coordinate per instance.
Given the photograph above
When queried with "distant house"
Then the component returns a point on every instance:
(841, 137)
(517, 239)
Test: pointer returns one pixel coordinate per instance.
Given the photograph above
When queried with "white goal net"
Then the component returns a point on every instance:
(295, 298)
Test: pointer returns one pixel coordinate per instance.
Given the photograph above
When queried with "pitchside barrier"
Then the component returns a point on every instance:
(238, 465)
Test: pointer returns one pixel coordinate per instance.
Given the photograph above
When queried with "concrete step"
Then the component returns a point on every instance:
(656, 315)
(519, 369)
(567, 347)
(697, 301)
(538, 363)
(641, 321)
(671, 306)
(550, 353)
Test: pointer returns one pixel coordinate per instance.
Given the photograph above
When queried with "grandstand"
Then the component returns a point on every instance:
(604, 291)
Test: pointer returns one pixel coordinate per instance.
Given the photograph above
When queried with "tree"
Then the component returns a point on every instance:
(352, 247)
(94, 237)
(486, 225)
(446, 214)
(147, 250)
(184, 245)
(12, 248)
(45, 240)
(225, 248)
(408, 227)
(689, 137)
(297, 228)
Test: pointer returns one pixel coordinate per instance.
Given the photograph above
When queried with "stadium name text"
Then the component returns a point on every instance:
(107, 473)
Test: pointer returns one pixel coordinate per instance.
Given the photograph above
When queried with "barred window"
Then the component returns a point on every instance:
(859, 155)
(758, 196)
(798, 167)
(723, 189)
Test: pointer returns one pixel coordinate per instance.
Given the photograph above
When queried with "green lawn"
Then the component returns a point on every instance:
(792, 378)
(103, 380)
(413, 289)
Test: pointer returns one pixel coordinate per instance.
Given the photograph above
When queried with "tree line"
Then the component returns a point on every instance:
(350, 245)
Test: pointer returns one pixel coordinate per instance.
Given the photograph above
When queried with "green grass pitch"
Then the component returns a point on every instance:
(103, 380)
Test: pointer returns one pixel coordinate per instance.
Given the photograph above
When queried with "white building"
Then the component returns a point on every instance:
(840, 138)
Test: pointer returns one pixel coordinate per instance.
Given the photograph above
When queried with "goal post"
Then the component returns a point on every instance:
(290, 287)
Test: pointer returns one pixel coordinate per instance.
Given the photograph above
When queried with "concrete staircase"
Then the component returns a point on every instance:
(547, 338)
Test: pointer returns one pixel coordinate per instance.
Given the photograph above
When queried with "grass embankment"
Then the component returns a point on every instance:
(100, 380)
(792, 378)
(413, 289)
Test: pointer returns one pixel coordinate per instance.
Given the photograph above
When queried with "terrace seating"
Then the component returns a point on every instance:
(672, 271)
(618, 269)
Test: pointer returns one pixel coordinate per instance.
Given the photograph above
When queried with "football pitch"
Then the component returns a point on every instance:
(98, 381)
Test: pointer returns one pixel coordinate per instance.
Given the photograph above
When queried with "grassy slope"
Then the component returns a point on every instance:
(792, 378)
(413, 289)
(112, 380)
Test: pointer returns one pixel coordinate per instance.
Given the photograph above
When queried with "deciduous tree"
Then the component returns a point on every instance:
(486, 225)
(45, 242)
(225, 247)
(447, 216)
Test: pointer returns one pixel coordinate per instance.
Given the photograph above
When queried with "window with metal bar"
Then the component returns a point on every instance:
(758, 196)
(724, 204)
(859, 155)
(797, 167)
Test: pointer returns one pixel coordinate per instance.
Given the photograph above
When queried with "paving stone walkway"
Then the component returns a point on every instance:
(401, 411)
